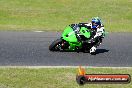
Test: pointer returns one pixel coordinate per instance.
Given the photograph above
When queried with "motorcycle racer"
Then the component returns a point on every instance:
(97, 29)
(80, 37)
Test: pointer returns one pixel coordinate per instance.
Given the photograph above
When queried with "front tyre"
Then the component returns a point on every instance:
(56, 45)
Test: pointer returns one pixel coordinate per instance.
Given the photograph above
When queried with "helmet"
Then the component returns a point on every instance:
(96, 21)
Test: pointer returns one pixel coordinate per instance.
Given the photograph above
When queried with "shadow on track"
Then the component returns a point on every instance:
(98, 51)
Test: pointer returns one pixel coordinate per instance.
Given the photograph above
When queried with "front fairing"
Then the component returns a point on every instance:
(69, 35)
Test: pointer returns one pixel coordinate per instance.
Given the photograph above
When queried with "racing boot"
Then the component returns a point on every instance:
(93, 50)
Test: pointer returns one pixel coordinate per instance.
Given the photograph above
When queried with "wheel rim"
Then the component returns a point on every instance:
(58, 47)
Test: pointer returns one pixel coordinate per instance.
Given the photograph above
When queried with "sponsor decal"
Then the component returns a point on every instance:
(83, 78)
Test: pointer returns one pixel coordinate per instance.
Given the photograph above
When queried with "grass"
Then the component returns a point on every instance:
(54, 15)
(54, 77)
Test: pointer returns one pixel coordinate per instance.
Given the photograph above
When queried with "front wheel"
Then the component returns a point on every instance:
(56, 45)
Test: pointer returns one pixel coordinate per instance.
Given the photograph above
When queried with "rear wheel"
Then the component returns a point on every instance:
(86, 47)
(93, 53)
(56, 45)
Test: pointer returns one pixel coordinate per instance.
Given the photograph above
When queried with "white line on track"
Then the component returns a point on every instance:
(61, 67)
(38, 31)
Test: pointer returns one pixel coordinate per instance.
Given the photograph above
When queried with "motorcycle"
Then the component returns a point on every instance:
(74, 38)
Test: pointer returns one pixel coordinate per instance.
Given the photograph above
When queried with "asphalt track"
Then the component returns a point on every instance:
(31, 49)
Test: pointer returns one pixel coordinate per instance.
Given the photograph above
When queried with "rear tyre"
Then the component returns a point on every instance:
(56, 45)
(85, 47)
(93, 53)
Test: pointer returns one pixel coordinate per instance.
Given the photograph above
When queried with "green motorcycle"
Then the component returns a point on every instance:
(73, 39)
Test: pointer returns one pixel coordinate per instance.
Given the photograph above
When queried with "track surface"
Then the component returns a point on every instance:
(31, 49)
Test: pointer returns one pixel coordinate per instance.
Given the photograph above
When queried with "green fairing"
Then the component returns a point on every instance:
(69, 36)
(86, 32)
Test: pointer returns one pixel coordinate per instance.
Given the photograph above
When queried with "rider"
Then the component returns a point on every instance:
(97, 29)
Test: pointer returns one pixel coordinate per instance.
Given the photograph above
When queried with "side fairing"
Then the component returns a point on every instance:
(86, 32)
(69, 35)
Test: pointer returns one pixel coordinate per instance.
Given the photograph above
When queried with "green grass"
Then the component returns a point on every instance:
(54, 77)
(54, 15)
